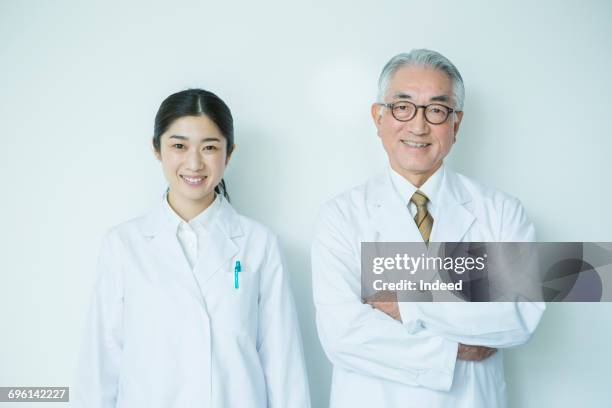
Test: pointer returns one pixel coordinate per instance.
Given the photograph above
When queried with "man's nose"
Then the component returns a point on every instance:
(418, 125)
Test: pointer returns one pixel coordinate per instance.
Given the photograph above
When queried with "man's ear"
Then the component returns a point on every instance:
(231, 151)
(459, 116)
(376, 111)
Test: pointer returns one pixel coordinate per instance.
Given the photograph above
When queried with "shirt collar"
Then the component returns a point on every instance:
(406, 189)
(199, 223)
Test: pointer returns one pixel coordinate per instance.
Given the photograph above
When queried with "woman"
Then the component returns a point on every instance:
(192, 307)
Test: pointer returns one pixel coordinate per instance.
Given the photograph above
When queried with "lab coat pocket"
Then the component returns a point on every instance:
(232, 300)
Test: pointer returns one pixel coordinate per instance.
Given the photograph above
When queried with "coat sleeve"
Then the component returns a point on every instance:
(279, 341)
(359, 338)
(495, 324)
(96, 382)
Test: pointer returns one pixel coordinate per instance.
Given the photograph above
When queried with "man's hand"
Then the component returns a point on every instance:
(386, 302)
(474, 353)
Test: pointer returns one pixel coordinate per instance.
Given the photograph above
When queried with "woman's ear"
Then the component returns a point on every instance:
(231, 151)
(156, 151)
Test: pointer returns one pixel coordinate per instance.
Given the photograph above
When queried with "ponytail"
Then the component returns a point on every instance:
(222, 190)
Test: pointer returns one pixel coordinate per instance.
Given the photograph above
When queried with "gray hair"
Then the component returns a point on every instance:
(424, 58)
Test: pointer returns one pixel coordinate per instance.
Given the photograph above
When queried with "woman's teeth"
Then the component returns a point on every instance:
(412, 144)
(193, 180)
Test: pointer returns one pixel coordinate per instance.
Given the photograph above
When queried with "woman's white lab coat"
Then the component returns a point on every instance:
(381, 362)
(161, 334)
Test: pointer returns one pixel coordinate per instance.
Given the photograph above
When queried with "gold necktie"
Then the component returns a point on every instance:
(423, 218)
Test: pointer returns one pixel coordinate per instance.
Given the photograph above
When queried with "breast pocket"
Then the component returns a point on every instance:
(232, 299)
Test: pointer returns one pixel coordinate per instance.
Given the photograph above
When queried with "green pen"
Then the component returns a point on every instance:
(237, 269)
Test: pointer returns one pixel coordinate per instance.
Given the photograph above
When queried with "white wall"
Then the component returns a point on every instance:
(80, 84)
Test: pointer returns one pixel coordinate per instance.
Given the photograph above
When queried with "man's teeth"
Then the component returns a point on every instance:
(411, 144)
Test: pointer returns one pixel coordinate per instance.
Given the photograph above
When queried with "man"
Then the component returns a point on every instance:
(387, 354)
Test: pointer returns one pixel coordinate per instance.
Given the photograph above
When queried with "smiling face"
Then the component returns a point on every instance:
(417, 148)
(193, 154)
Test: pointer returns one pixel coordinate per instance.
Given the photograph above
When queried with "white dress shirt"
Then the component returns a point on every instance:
(189, 233)
(430, 188)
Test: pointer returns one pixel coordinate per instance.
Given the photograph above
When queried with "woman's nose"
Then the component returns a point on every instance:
(195, 161)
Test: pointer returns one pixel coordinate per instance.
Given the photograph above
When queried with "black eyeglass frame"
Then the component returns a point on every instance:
(391, 106)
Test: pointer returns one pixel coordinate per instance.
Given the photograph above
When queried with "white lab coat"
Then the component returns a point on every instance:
(381, 362)
(163, 335)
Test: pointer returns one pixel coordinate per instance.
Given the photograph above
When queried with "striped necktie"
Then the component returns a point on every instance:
(423, 218)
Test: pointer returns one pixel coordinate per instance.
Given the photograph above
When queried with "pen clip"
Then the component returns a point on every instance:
(237, 270)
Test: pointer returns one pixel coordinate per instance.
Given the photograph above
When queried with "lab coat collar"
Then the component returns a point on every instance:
(200, 222)
(226, 219)
(392, 219)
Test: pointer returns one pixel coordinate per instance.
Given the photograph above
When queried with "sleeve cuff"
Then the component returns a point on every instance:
(441, 379)
(410, 316)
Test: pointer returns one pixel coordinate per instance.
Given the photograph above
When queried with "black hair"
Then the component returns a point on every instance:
(195, 102)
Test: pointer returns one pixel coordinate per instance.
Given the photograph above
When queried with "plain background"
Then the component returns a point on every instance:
(80, 84)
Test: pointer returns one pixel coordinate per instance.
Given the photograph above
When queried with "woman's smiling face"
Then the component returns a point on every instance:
(193, 154)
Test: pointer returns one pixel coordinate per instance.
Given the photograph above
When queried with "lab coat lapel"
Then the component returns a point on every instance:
(453, 220)
(390, 217)
(166, 252)
(218, 245)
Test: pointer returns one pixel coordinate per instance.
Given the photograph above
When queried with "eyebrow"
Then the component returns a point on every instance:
(206, 139)
(438, 98)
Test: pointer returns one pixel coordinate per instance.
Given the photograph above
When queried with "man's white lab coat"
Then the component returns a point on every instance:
(381, 362)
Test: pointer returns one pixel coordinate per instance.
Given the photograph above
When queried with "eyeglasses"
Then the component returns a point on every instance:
(405, 111)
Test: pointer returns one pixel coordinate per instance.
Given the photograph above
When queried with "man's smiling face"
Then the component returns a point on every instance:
(416, 148)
